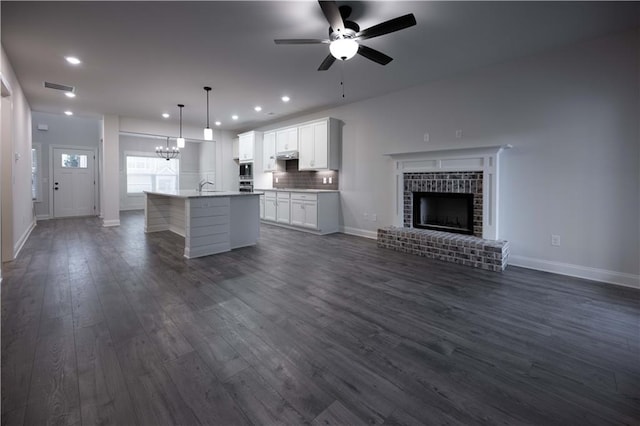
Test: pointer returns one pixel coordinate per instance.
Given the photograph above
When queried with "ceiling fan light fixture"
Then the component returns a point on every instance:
(343, 48)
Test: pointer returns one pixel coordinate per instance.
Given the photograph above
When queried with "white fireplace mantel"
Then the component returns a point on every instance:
(479, 158)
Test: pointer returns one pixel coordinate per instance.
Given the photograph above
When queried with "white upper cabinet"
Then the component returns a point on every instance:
(319, 145)
(246, 145)
(287, 139)
(269, 152)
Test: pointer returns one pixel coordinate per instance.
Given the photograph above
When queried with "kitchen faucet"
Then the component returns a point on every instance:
(204, 182)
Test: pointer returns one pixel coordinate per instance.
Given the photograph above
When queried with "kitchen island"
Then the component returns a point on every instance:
(210, 222)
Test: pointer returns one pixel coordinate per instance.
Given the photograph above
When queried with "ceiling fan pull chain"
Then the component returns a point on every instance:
(342, 77)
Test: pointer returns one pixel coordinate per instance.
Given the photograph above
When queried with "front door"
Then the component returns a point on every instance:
(73, 182)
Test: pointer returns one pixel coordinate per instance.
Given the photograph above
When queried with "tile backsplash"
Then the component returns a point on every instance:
(294, 178)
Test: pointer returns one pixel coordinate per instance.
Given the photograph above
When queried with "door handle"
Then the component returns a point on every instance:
(55, 189)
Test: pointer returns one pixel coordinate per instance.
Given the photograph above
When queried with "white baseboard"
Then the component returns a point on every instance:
(112, 222)
(43, 217)
(359, 232)
(23, 239)
(595, 274)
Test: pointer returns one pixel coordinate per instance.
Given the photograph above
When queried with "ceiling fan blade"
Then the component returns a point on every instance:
(374, 55)
(332, 13)
(326, 64)
(387, 27)
(301, 41)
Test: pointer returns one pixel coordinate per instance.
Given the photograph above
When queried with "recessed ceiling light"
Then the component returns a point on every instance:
(217, 123)
(68, 112)
(286, 99)
(235, 117)
(73, 60)
(258, 108)
(70, 94)
(165, 115)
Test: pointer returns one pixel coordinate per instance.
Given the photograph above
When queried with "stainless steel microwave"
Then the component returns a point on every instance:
(246, 170)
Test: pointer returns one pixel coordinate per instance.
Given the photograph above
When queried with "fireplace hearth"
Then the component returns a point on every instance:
(443, 211)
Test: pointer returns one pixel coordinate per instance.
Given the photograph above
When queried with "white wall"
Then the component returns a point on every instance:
(16, 148)
(572, 116)
(207, 161)
(229, 168)
(65, 131)
(110, 179)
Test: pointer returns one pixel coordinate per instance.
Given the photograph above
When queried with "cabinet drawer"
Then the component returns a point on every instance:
(304, 196)
(210, 202)
(283, 195)
(269, 194)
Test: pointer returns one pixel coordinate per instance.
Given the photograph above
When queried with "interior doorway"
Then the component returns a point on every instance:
(74, 185)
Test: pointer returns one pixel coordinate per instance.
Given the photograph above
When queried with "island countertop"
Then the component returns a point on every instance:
(192, 193)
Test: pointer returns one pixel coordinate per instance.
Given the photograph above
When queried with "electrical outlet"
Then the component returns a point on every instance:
(555, 240)
(330, 179)
(426, 137)
(276, 180)
(459, 134)
(374, 217)
(324, 180)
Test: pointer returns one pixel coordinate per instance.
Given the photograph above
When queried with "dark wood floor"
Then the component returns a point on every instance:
(112, 326)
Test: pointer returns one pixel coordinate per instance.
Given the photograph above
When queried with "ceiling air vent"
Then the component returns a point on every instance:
(57, 86)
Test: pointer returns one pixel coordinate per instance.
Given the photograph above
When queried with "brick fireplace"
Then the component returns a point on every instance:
(445, 183)
(471, 171)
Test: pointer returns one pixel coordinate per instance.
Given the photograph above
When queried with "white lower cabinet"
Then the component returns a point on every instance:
(270, 205)
(304, 210)
(317, 212)
(262, 206)
(283, 212)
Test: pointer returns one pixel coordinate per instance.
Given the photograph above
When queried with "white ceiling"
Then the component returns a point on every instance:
(143, 58)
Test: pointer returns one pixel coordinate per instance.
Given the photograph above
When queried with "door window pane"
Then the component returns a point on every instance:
(74, 161)
(35, 173)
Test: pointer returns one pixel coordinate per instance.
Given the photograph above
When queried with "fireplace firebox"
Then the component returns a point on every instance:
(443, 211)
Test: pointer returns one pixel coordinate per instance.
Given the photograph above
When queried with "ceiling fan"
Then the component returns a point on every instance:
(344, 35)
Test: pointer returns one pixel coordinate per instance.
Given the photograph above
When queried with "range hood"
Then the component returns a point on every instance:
(287, 155)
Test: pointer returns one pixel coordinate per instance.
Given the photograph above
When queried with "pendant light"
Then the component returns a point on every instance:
(166, 152)
(180, 140)
(208, 131)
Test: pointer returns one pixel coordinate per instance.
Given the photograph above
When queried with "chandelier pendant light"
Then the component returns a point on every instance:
(180, 140)
(208, 132)
(166, 152)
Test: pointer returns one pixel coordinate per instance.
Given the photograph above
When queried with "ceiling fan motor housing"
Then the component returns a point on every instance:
(350, 30)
